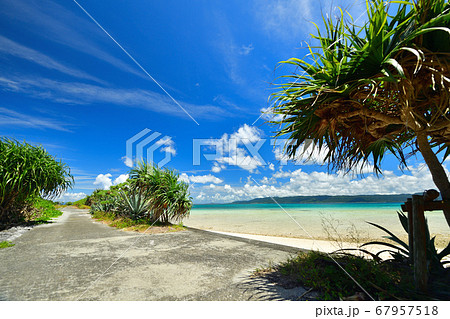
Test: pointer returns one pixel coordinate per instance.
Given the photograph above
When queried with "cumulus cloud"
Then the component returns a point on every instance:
(103, 180)
(127, 161)
(204, 179)
(307, 153)
(121, 179)
(70, 197)
(216, 168)
(267, 114)
(184, 178)
(240, 148)
(246, 133)
(298, 182)
(200, 179)
(169, 145)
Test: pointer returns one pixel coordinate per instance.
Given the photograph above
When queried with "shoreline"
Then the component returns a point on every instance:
(323, 245)
(302, 243)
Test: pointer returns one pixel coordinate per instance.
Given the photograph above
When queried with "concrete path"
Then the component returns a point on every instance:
(75, 258)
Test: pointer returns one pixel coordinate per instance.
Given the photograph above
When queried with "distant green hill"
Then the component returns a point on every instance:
(329, 199)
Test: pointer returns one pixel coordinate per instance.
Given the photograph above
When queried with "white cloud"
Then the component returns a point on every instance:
(12, 48)
(52, 21)
(239, 149)
(203, 179)
(240, 159)
(104, 181)
(271, 166)
(70, 197)
(248, 133)
(184, 177)
(267, 114)
(285, 19)
(169, 145)
(307, 154)
(121, 179)
(127, 161)
(170, 149)
(82, 93)
(217, 168)
(300, 182)
(13, 118)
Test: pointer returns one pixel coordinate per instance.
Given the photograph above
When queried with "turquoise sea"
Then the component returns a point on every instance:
(347, 221)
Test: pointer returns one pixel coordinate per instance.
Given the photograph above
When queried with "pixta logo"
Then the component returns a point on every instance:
(143, 146)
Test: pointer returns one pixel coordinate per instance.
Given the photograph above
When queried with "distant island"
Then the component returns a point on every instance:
(329, 199)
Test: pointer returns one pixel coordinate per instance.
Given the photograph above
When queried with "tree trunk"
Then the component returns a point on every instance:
(437, 171)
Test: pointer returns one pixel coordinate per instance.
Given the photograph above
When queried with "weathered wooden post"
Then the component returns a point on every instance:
(410, 230)
(419, 243)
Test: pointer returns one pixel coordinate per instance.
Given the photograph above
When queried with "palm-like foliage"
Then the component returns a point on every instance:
(27, 170)
(171, 199)
(168, 196)
(135, 204)
(400, 250)
(383, 87)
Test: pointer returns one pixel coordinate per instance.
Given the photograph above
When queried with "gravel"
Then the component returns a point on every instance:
(13, 233)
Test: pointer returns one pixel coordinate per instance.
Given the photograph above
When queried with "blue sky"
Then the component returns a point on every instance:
(67, 85)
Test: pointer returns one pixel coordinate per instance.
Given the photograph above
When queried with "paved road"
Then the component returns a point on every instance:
(76, 258)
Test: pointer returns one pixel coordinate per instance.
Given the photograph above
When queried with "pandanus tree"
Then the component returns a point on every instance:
(26, 171)
(365, 91)
(168, 196)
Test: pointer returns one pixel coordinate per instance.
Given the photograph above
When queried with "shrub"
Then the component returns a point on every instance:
(438, 275)
(319, 271)
(151, 192)
(81, 203)
(169, 197)
(134, 204)
(44, 210)
(27, 171)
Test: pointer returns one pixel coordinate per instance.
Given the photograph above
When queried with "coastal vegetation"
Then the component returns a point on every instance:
(28, 174)
(42, 210)
(152, 196)
(324, 274)
(369, 90)
(80, 204)
(363, 92)
(355, 273)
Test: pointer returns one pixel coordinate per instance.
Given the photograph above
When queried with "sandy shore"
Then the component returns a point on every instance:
(310, 244)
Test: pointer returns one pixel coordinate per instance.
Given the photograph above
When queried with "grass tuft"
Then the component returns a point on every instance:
(5, 244)
(318, 271)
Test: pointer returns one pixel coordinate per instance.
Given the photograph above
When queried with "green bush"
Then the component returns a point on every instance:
(134, 204)
(151, 192)
(27, 171)
(81, 203)
(319, 271)
(168, 196)
(44, 210)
